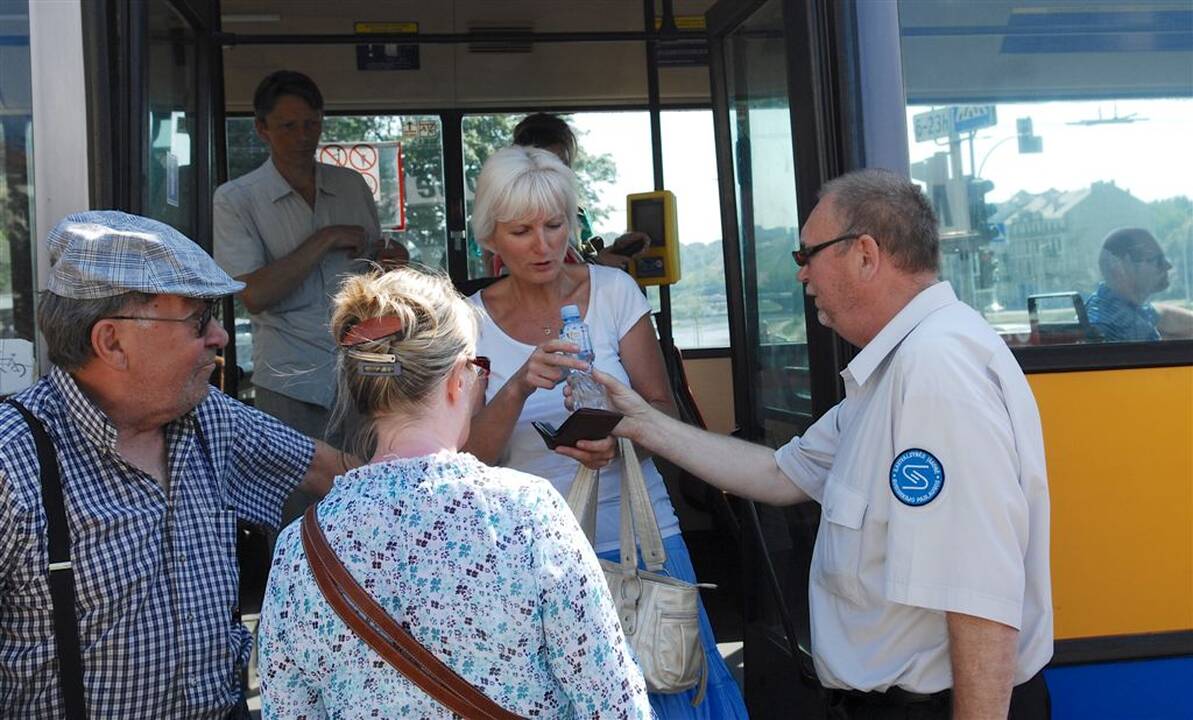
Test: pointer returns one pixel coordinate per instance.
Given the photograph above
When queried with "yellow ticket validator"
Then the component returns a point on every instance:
(653, 213)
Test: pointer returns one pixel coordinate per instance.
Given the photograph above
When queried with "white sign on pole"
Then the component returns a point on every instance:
(973, 117)
(954, 119)
(932, 124)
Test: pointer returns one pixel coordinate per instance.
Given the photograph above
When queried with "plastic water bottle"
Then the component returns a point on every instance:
(586, 391)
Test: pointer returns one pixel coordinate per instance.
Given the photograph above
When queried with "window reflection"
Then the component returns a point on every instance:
(1022, 237)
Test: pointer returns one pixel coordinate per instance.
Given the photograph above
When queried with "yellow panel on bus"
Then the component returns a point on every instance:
(1120, 476)
(653, 213)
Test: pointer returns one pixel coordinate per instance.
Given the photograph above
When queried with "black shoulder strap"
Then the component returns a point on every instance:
(62, 577)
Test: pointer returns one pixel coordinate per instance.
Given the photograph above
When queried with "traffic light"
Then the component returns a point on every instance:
(1029, 142)
(980, 211)
(987, 268)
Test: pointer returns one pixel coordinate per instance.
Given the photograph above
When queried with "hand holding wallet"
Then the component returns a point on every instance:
(584, 424)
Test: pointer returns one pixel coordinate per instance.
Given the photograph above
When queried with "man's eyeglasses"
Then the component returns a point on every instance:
(804, 255)
(200, 318)
(482, 365)
(1157, 260)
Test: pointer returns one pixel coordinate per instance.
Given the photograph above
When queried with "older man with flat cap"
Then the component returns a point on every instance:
(122, 478)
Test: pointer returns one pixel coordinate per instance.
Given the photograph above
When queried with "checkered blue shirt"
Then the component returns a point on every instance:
(1119, 319)
(155, 575)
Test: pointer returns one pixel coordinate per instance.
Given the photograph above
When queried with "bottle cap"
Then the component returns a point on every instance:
(569, 312)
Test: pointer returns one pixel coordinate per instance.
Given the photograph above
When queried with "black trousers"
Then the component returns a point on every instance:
(1029, 701)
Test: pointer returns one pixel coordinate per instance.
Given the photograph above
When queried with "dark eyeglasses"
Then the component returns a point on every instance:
(482, 365)
(804, 255)
(1157, 260)
(200, 318)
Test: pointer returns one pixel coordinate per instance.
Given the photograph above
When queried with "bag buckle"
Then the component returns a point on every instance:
(631, 591)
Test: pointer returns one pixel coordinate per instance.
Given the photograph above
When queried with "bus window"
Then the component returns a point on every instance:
(613, 161)
(1032, 162)
(170, 169)
(407, 173)
(699, 311)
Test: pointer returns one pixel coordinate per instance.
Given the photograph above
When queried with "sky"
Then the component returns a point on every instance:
(1151, 157)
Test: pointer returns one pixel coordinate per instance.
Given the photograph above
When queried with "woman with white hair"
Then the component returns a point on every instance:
(525, 212)
(484, 567)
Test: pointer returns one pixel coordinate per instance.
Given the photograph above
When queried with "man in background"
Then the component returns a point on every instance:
(290, 230)
(1133, 269)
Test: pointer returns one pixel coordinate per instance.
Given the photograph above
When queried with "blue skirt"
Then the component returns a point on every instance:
(723, 697)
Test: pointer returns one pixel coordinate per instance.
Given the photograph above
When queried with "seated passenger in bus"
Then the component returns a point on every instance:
(486, 567)
(1133, 269)
(151, 468)
(525, 211)
(289, 230)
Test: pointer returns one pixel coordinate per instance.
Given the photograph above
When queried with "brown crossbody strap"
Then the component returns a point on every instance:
(381, 632)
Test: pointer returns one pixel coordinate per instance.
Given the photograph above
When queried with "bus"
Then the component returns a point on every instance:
(1034, 126)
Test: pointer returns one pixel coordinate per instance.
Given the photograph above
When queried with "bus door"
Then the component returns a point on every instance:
(154, 154)
(773, 154)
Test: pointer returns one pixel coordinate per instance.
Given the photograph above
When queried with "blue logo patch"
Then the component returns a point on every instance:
(917, 477)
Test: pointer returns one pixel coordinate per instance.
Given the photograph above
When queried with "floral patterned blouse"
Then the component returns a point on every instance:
(485, 566)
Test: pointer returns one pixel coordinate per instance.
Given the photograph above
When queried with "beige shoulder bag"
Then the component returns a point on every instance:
(659, 614)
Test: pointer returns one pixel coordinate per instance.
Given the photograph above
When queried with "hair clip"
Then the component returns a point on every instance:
(370, 330)
(376, 364)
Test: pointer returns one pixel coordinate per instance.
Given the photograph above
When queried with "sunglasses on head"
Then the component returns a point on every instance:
(482, 365)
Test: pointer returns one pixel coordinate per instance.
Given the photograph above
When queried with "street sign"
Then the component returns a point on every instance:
(973, 117)
(954, 119)
(932, 124)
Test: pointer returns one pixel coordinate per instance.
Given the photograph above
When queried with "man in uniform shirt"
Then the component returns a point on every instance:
(290, 230)
(929, 590)
(154, 469)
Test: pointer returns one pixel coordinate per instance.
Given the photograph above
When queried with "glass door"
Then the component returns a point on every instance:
(754, 61)
(171, 147)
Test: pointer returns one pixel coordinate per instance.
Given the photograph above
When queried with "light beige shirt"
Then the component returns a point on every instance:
(260, 219)
(934, 499)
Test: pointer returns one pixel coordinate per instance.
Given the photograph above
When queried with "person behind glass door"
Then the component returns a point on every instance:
(525, 211)
(551, 133)
(290, 230)
(1133, 269)
(929, 592)
(486, 567)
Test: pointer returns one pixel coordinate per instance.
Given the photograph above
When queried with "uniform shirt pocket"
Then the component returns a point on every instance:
(839, 546)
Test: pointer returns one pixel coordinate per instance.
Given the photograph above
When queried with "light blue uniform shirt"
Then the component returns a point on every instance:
(938, 381)
(260, 219)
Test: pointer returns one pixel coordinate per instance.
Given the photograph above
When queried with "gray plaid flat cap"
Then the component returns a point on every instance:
(101, 253)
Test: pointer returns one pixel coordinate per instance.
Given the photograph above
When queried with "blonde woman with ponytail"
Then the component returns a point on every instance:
(485, 567)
